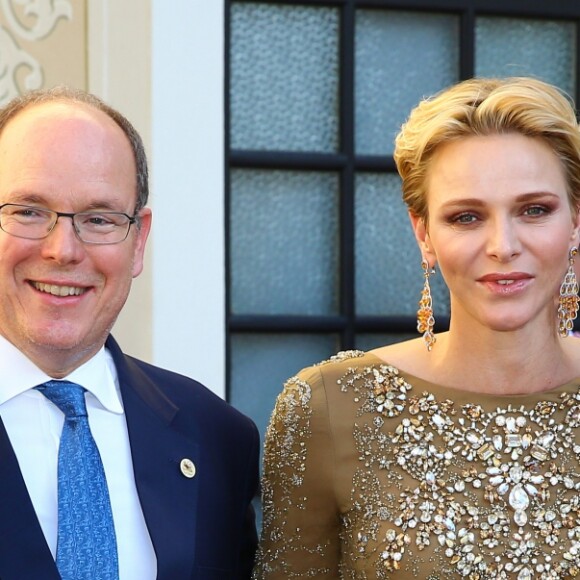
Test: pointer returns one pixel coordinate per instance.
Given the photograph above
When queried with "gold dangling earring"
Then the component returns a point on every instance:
(568, 300)
(425, 318)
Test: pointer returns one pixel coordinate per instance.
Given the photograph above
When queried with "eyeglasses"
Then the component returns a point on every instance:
(91, 227)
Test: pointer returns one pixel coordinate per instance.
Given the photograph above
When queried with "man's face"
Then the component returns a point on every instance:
(59, 297)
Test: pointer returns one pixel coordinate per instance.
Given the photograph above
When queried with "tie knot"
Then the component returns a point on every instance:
(68, 397)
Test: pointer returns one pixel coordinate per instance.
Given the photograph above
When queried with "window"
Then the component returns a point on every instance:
(321, 256)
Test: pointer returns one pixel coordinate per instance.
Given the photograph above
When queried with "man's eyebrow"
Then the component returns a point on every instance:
(30, 198)
(104, 206)
(25, 197)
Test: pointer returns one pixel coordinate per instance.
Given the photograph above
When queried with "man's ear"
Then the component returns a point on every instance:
(423, 240)
(141, 234)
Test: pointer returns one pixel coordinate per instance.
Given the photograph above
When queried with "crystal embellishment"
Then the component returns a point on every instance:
(518, 498)
(434, 488)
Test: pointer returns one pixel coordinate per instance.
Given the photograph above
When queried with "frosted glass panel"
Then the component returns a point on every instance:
(400, 58)
(389, 277)
(284, 242)
(261, 363)
(284, 77)
(524, 47)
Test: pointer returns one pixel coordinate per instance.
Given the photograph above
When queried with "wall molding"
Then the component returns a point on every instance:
(28, 21)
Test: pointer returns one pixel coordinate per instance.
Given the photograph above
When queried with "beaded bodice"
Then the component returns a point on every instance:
(369, 474)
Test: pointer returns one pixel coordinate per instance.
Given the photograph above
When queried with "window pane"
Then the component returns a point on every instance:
(400, 57)
(284, 242)
(261, 363)
(524, 47)
(284, 77)
(389, 277)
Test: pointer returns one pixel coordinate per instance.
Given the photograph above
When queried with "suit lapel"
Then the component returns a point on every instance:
(168, 498)
(24, 553)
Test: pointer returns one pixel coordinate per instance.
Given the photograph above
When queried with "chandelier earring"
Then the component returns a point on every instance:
(568, 299)
(425, 318)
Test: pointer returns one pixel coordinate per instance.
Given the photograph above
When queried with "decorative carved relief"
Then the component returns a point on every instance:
(28, 21)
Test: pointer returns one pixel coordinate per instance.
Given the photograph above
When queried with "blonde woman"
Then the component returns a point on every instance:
(454, 455)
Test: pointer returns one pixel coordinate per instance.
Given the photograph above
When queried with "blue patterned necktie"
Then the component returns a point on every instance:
(86, 546)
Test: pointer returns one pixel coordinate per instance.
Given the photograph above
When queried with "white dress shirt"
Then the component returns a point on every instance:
(34, 425)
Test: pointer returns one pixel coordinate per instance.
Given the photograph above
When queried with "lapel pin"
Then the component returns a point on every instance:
(187, 468)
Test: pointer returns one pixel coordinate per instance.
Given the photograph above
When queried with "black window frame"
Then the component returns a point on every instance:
(347, 324)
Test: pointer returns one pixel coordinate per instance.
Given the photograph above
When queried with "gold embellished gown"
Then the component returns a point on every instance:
(372, 473)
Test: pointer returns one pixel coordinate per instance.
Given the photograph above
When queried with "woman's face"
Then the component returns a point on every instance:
(500, 229)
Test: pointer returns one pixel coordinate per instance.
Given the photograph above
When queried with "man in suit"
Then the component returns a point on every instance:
(180, 465)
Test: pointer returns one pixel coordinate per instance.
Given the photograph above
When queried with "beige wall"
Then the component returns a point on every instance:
(42, 43)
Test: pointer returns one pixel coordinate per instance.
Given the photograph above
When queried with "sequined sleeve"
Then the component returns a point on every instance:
(300, 534)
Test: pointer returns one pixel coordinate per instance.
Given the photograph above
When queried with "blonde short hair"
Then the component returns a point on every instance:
(487, 106)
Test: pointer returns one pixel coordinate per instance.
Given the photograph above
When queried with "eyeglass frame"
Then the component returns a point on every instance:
(132, 220)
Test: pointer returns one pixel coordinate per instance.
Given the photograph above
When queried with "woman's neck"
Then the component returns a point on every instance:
(487, 361)
(515, 362)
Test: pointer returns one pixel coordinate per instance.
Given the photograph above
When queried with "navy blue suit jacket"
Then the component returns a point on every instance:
(201, 528)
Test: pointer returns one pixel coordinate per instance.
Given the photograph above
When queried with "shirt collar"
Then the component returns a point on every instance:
(98, 376)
